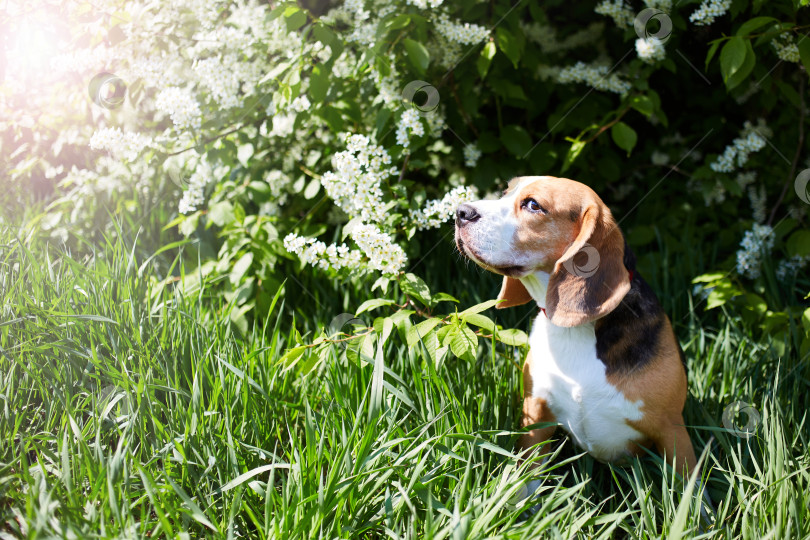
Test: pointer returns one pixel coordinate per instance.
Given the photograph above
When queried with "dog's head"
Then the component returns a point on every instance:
(552, 225)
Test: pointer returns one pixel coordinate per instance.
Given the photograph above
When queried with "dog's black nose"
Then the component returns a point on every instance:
(466, 213)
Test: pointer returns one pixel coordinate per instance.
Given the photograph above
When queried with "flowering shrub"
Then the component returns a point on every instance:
(334, 136)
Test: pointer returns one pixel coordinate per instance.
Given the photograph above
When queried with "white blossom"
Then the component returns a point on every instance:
(756, 245)
(354, 184)
(194, 195)
(788, 268)
(125, 144)
(409, 124)
(758, 199)
(471, 155)
(437, 211)
(736, 154)
(300, 104)
(708, 11)
(461, 33)
(786, 48)
(617, 10)
(650, 50)
(181, 106)
(594, 75)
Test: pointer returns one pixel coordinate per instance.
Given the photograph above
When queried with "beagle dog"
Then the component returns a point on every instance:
(603, 360)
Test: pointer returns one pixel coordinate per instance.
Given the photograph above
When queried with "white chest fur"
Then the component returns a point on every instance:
(567, 374)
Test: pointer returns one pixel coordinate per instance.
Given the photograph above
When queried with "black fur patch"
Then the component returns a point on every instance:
(628, 337)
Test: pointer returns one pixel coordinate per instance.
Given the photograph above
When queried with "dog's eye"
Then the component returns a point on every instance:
(532, 206)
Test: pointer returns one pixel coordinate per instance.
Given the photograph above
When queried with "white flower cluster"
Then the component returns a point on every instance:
(424, 4)
(409, 124)
(194, 196)
(471, 155)
(314, 252)
(745, 178)
(461, 33)
(708, 11)
(663, 5)
(388, 86)
(788, 268)
(300, 104)
(749, 141)
(595, 76)
(617, 10)
(383, 254)
(786, 49)
(650, 50)
(181, 106)
(354, 185)
(219, 80)
(125, 144)
(377, 247)
(437, 211)
(756, 245)
(758, 199)
(659, 158)
(546, 36)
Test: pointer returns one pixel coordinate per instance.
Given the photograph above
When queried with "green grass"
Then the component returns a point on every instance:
(129, 410)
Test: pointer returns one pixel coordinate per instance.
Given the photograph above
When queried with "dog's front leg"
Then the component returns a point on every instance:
(535, 411)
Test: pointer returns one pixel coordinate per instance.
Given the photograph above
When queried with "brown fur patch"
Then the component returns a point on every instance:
(661, 386)
(535, 411)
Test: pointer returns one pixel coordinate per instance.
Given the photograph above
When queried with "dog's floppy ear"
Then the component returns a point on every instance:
(590, 279)
(513, 293)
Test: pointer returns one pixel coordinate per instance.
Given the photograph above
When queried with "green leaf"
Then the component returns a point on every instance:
(463, 343)
(478, 308)
(509, 44)
(374, 303)
(804, 52)
(414, 286)
(799, 243)
(643, 104)
(624, 136)
(312, 189)
(420, 331)
(752, 24)
(295, 18)
(574, 151)
(417, 54)
(516, 140)
(319, 83)
(485, 59)
(240, 268)
(480, 321)
(221, 213)
(745, 70)
(513, 336)
(242, 478)
(712, 50)
(732, 57)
